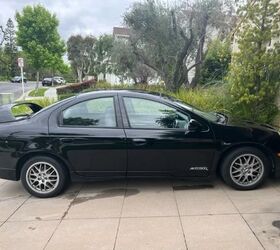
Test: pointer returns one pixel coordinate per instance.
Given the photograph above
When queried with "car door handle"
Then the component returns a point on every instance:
(139, 142)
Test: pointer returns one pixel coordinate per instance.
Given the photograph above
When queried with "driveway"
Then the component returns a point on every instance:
(15, 88)
(146, 214)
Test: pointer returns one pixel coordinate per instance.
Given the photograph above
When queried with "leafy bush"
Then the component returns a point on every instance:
(43, 102)
(254, 71)
(215, 66)
(206, 99)
(3, 78)
(76, 87)
(38, 92)
(107, 86)
(65, 96)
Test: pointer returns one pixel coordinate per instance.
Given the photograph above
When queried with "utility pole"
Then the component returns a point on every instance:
(21, 65)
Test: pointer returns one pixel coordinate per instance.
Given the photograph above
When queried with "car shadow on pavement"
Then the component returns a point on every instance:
(107, 193)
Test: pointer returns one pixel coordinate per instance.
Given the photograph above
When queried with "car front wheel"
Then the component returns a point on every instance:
(245, 168)
(43, 177)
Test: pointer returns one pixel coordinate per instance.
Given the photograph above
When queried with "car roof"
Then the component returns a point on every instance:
(132, 92)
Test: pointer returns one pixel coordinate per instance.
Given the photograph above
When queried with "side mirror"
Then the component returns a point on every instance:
(194, 126)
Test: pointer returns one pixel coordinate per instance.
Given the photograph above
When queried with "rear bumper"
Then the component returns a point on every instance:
(8, 174)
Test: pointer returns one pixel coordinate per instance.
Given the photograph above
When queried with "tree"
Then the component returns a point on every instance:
(2, 35)
(254, 71)
(81, 54)
(103, 50)
(171, 40)
(3, 68)
(216, 62)
(39, 38)
(210, 16)
(126, 65)
(11, 47)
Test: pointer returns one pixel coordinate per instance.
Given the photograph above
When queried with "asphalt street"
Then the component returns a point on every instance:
(15, 88)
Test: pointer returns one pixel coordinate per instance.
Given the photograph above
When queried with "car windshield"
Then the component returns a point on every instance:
(211, 116)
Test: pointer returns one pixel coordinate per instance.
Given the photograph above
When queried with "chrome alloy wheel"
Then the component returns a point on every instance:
(42, 177)
(246, 170)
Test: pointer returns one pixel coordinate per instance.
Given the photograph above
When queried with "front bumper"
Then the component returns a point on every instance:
(8, 174)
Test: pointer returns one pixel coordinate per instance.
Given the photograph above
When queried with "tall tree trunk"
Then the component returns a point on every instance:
(169, 84)
(199, 55)
(37, 79)
(52, 77)
(80, 75)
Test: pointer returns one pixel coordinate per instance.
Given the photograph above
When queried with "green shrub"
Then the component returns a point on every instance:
(108, 86)
(76, 87)
(65, 96)
(43, 102)
(254, 71)
(207, 99)
(216, 63)
(38, 92)
(3, 78)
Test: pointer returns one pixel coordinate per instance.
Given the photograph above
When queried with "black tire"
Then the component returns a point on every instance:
(230, 159)
(55, 166)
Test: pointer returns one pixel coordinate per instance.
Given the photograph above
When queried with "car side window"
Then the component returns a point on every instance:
(99, 113)
(143, 113)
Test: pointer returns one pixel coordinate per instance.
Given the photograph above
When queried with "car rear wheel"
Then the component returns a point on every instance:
(245, 168)
(43, 177)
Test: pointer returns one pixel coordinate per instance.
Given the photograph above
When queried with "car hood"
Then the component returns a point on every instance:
(250, 124)
(243, 132)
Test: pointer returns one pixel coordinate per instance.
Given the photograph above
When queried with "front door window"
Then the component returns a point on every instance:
(147, 114)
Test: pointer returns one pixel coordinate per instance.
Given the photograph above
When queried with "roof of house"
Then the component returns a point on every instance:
(121, 31)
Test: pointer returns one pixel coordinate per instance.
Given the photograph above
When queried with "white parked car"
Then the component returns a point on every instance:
(59, 80)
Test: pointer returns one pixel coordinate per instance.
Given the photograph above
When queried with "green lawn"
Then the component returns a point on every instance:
(38, 92)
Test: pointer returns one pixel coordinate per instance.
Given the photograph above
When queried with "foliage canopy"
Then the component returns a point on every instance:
(254, 71)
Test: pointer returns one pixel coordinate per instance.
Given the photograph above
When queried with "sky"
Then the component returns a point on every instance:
(85, 17)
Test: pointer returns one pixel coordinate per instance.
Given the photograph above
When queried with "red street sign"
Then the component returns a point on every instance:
(20, 62)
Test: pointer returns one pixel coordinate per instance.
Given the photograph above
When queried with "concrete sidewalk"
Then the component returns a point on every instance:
(146, 214)
(51, 93)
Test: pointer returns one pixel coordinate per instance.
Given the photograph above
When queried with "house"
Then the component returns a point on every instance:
(121, 33)
(118, 33)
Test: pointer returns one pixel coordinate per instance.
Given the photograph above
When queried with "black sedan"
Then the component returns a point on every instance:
(120, 134)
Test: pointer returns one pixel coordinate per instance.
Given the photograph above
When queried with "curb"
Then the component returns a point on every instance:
(23, 96)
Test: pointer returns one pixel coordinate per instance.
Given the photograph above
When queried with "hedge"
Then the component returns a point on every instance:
(76, 87)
